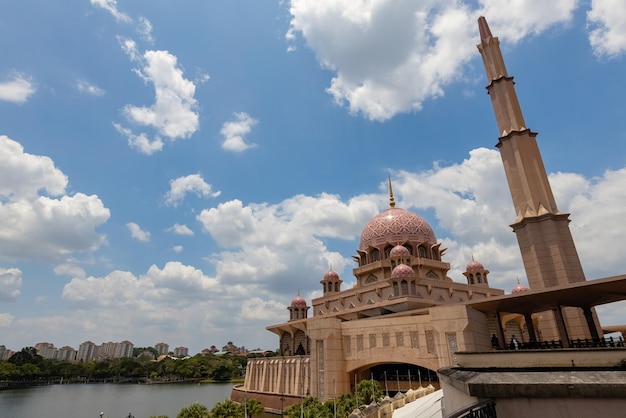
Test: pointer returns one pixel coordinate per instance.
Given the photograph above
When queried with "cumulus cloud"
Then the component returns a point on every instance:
(279, 246)
(17, 89)
(234, 133)
(137, 233)
(140, 142)
(173, 114)
(10, 284)
(86, 87)
(193, 183)
(111, 7)
(389, 58)
(38, 219)
(6, 320)
(607, 34)
(179, 229)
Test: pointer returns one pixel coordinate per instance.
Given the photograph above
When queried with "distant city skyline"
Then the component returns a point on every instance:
(181, 172)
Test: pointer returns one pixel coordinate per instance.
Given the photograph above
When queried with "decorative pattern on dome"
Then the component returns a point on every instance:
(402, 270)
(519, 288)
(474, 266)
(298, 302)
(396, 225)
(399, 251)
(331, 275)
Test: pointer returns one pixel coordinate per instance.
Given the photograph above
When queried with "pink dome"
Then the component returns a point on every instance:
(331, 275)
(520, 288)
(396, 225)
(402, 270)
(474, 266)
(399, 251)
(298, 302)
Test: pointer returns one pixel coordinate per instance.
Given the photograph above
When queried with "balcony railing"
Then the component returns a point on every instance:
(482, 409)
(577, 343)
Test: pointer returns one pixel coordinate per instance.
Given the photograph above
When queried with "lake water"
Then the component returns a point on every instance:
(116, 401)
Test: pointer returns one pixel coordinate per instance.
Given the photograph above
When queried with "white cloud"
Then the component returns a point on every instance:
(177, 248)
(173, 114)
(234, 133)
(86, 87)
(137, 233)
(179, 229)
(140, 142)
(193, 183)
(16, 89)
(111, 7)
(6, 320)
(606, 20)
(38, 220)
(10, 284)
(69, 269)
(390, 57)
(145, 29)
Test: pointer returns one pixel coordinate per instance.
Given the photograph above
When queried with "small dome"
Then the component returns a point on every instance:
(520, 288)
(396, 225)
(331, 275)
(402, 270)
(298, 302)
(474, 266)
(399, 251)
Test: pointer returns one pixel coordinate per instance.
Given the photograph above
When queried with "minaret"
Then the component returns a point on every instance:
(546, 244)
(543, 234)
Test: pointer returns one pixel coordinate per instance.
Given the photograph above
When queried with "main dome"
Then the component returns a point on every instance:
(396, 225)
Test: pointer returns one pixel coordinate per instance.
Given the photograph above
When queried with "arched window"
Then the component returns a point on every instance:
(395, 289)
(408, 247)
(413, 288)
(375, 255)
(478, 278)
(404, 285)
(422, 252)
(330, 287)
(471, 278)
(370, 279)
(336, 286)
(388, 250)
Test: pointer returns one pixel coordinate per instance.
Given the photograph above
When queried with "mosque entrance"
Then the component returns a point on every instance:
(397, 377)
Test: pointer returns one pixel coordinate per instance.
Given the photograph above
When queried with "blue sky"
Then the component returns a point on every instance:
(179, 171)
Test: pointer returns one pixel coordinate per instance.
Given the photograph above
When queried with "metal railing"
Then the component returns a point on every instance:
(482, 409)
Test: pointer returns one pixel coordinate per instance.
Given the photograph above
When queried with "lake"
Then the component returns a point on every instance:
(115, 400)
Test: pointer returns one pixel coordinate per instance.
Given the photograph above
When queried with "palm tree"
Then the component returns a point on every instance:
(227, 409)
(369, 391)
(254, 407)
(195, 410)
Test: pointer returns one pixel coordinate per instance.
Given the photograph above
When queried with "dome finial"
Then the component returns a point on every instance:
(392, 202)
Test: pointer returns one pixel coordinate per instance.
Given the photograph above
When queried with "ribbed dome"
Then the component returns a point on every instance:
(402, 270)
(396, 225)
(399, 251)
(331, 275)
(474, 266)
(298, 302)
(520, 288)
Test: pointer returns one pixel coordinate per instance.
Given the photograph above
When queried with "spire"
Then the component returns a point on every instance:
(483, 27)
(392, 202)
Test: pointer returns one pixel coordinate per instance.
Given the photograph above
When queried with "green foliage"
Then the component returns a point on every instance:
(346, 403)
(227, 409)
(195, 410)
(254, 407)
(27, 355)
(159, 416)
(369, 391)
(310, 408)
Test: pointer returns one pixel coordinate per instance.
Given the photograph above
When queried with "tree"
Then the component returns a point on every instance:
(227, 409)
(369, 391)
(195, 410)
(346, 403)
(26, 355)
(254, 407)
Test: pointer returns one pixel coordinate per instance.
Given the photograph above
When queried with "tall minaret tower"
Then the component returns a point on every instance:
(547, 247)
(548, 251)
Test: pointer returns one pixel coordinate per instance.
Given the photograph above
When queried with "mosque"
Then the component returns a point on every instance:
(405, 321)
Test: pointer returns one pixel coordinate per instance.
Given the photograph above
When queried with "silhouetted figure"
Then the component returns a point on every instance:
(514, 345)
(494, 341)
